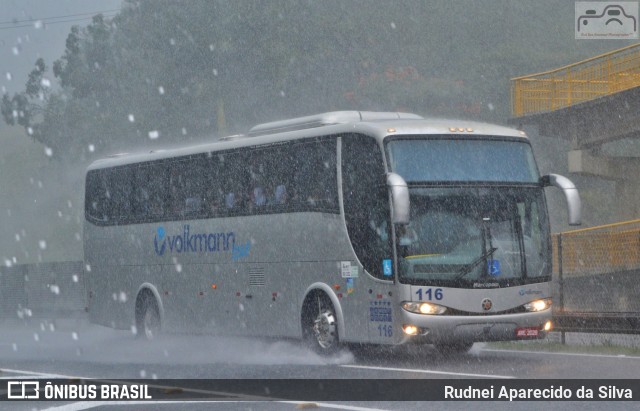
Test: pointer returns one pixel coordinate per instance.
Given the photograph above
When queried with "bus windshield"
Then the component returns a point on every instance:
(475, 237)
(439, 159)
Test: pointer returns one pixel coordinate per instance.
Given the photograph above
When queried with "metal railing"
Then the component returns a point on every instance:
(586, 80)
(597, 279)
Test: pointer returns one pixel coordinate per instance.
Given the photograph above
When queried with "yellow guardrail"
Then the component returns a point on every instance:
(589, 79)
(604, 249)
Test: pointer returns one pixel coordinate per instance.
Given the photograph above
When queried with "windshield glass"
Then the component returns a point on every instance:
(475, 236)
(462, 160)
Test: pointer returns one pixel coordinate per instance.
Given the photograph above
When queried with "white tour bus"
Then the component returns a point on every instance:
(343, 227)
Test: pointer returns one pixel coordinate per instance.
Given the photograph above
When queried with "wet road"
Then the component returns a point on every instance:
(75, 349)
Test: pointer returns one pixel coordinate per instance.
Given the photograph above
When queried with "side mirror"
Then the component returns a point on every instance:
(570, 191)
(399, 198)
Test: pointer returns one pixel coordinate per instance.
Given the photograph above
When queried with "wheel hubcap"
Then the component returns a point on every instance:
(150, 324)
(324, 329)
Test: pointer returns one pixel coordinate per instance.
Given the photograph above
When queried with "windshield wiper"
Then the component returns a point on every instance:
(468, 268)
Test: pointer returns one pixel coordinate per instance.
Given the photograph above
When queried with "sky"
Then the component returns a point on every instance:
(30, 29)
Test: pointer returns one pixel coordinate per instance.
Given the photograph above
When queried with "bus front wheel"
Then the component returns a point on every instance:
(320, 326)
(147, 317)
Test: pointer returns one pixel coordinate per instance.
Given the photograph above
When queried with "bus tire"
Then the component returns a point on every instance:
(148, 322)
(320, 324)
(452, 348)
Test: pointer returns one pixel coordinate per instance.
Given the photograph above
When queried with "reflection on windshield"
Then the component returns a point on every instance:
(493, 234)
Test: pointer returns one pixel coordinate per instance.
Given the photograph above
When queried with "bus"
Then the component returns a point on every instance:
(346, 227)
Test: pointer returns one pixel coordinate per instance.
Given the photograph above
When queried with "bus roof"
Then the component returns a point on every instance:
(376, 124)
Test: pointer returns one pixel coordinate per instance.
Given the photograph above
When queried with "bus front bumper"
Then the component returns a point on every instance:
(505, 327)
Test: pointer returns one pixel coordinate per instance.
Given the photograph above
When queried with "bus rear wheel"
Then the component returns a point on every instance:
(320, 326)
(147, 317)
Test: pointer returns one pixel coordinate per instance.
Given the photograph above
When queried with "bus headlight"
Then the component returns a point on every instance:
(538, 305)
(423, 308)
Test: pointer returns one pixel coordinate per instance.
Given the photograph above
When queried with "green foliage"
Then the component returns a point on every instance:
(184, 69)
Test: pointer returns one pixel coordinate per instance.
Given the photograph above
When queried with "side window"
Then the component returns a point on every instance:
(314, 176)
(120, 191)
(97, 197)
(234, 174)
(366, 202)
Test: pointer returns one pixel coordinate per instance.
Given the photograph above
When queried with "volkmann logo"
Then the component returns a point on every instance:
(186, 242)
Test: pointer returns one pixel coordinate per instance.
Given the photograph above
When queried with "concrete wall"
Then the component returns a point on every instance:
(46, 290)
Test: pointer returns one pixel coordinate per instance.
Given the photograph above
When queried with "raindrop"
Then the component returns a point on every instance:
(154, 134)
(393, 25)
(122, 297)
(179, 268)
(36, 337)
(30, 131)
(161, 90)
(59, 213)
(75, 278)
(28, 311)
(154, 376)
(131, 118)
(69, 204)
(74, 335)
(15, 50)
(134, 330)
(48, 151)
(37, 24)
(87, 268)
(78, 237)
(55, 289)
(215, 72)
(184, 131)
(9, 77)
(92, 148)
(241, 307)
(172, 41)
(491, 106)
(39, 184)
(114, 296)
(45, 82)
(282, 93)
(42, 244)
(52, 327)
(14, 346)
(166, 353)
(8, 263)
(17, 238)
(143, 374)
(212, 47)
(42, 326)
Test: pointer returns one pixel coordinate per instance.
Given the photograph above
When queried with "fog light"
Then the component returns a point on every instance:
(410, 329)
(548, 326)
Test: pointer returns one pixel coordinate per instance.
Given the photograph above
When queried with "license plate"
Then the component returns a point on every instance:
(527, 332)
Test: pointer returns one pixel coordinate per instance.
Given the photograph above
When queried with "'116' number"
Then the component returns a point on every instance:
(429, 294)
